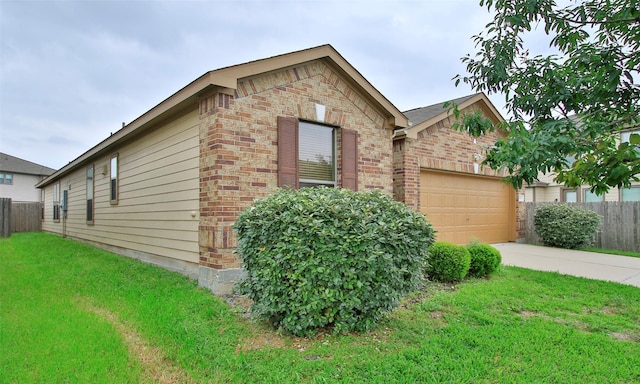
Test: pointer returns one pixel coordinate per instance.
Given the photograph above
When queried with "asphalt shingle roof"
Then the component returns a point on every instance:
(418, 115)
(13, 164)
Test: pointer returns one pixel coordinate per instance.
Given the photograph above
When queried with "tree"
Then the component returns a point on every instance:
(568, 107)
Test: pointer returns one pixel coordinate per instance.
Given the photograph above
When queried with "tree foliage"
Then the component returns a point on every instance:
(567, 107)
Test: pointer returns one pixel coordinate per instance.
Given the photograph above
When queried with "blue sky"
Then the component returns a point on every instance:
(71, 72)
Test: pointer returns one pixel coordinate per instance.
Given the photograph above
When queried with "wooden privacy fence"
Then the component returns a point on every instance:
(619, 226)
(19, 217)
(5, 217)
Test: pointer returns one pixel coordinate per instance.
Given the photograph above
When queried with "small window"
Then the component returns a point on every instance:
(316, 155)
(591, 197)
(113, 184)
(6, 178)
(569, 196)
(90, 195)
(56, 202)
(630, 194)
(42, 198)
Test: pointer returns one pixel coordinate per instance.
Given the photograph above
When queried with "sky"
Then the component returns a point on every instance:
(71, 72)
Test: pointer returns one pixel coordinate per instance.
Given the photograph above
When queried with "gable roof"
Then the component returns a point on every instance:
(418, 115)
(14, 164)
(226, 80)
(424, 117)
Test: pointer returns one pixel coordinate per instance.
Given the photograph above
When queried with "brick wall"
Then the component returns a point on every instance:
(440, 147)
(238, 145)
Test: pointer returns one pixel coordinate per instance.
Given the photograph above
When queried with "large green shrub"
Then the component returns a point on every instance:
(448, 262)
(566, 226)
(485, 259)
(325, 257)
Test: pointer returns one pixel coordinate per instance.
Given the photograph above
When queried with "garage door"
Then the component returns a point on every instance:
(465, 207)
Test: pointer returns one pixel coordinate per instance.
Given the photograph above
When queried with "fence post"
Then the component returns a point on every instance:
(5, 217)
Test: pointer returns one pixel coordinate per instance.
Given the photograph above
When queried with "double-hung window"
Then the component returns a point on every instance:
(113, 180)
(6, 178)
(90, 195)
(568, 195)
(630, 194)
(56, 202)
(308, 155)
(316, 155)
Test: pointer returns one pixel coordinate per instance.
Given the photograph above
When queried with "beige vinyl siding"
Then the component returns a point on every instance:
(22, 188)
(158, 180)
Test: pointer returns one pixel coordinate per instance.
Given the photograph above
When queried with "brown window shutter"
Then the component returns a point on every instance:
(287, 152)
(349, 159)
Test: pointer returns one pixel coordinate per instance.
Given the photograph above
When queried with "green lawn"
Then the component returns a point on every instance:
(70, 313)
(612, 251)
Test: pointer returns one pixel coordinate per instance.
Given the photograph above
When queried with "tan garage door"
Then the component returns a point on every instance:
(465, 207)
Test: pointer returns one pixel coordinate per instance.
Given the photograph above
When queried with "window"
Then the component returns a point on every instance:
(316, 158)
(6, 178)
(90, 195)
(569, 196)
(42, 196)
(307, 155)
(591, 197)
(630, 194)
(113, 185)
(56, 202)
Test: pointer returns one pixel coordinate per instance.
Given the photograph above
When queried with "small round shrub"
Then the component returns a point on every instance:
(329, 257)
(448, 262)
(485, 259)
(566, 226)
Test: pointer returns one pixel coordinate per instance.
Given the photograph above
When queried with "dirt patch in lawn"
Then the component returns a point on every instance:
(155, 364)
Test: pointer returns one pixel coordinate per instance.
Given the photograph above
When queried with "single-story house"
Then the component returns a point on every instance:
(18, 178)
(168, 187)
(546, 189)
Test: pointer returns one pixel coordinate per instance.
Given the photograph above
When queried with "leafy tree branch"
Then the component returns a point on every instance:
(567, 108)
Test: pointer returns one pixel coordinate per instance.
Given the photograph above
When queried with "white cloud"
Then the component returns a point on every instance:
(73, 70)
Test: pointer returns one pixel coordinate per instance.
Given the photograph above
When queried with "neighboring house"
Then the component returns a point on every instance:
(438, 173)
(548, 190)
(168, 187)
(18, 178)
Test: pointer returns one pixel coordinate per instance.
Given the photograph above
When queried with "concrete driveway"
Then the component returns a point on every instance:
(598, 266)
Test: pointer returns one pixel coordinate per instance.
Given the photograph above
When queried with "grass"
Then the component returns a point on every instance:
(612, 251)
(72, 313)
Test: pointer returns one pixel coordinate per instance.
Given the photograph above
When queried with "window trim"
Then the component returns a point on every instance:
(563, 196)
(114, 182)
(334, 158)
(90, 213)
(345, 148)
(56, 202)
(6, 176)
(43, 199)
(621, 190)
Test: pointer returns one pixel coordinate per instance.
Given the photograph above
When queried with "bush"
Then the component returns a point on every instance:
(565, 226)
(448, 262)
(325, 257)
(485, 259)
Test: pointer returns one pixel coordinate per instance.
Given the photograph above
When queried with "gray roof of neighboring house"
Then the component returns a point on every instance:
(418, 115)
(13, 164)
